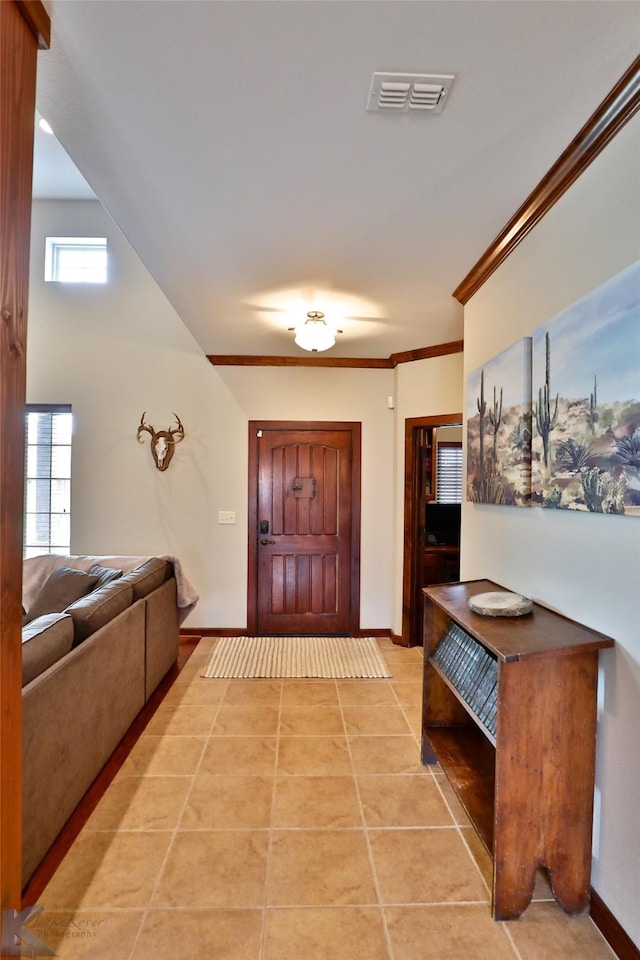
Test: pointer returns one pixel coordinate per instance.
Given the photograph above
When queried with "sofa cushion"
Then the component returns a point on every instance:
(64, 586)
(44, 641)
(104, 574)
(99, 607)
(147, 577)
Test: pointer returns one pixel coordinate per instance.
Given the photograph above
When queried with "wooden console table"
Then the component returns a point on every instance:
(520, 751)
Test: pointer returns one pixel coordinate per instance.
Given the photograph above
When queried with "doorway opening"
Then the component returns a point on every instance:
(432, 505)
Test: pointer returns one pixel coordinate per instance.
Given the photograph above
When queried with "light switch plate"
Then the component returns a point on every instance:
(226, 516)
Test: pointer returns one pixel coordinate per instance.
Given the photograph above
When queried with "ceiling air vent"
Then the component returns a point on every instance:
(409, 91)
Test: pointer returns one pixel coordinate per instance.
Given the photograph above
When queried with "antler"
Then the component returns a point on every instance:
(162, 441)
(144, 426)
(178, 434)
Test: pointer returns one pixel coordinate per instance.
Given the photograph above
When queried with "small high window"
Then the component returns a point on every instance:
(76, 259)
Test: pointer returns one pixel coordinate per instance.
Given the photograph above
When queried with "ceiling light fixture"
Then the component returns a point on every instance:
(314, 334)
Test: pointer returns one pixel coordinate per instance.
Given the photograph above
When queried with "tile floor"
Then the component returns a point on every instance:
(289, 820)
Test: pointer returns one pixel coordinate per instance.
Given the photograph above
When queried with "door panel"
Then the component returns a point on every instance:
(304, 562)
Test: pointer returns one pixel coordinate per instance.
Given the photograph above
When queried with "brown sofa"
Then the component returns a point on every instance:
(88, 670)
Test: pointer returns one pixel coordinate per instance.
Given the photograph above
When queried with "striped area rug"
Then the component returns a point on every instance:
(303, 657)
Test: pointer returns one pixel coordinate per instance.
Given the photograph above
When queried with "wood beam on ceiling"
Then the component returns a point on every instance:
(241, 360)
(369, 363)
(38, 20)
(427, 353)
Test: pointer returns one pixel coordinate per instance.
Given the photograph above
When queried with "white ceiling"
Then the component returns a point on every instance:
(230, 142)
(55, 175)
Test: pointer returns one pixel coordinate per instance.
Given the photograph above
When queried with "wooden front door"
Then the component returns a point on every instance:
(303, 529)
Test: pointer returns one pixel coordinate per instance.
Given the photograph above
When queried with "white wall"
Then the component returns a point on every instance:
(425, 388)
(585, 566)
(299, 393)
(116, 351)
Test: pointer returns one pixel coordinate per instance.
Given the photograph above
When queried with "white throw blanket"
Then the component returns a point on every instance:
(37, 570)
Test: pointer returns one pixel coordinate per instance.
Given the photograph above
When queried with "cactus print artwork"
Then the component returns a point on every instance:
(499, 428)
(586, 402)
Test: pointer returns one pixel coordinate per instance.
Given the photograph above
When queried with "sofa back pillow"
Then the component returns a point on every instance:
(44, 641)
(64, 586)
(147, 577)
(102, 605)
(104, 574)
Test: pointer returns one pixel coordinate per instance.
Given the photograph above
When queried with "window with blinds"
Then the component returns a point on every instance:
(47, 512)
(449, 473)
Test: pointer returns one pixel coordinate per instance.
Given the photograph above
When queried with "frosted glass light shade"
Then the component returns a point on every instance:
(314, 335)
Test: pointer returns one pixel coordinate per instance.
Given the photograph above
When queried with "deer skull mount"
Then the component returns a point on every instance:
(162, 441)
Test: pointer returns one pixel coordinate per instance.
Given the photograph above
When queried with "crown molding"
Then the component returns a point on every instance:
(618, 107)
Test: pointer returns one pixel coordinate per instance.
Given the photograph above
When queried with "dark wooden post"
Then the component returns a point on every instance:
(23, 27)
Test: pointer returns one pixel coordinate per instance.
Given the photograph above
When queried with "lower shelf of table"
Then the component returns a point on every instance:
(468, 760)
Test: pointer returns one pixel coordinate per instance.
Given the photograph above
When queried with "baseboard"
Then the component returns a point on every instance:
(615, 935)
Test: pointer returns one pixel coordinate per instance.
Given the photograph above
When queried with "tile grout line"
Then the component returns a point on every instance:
(511, 941)
(367, 841)
(439, 780)
(454, 819)
(178, 819)
(504, 927)
(265, 905)
(409, 724)
(455, 825)
(144, 915)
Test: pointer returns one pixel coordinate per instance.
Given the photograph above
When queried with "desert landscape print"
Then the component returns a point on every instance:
(586, 402)
(499, 428)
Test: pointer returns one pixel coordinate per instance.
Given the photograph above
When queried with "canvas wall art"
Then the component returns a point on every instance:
(499, 428)
(586, 402)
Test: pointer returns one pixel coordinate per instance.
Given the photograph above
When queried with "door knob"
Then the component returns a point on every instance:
(265, 542)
